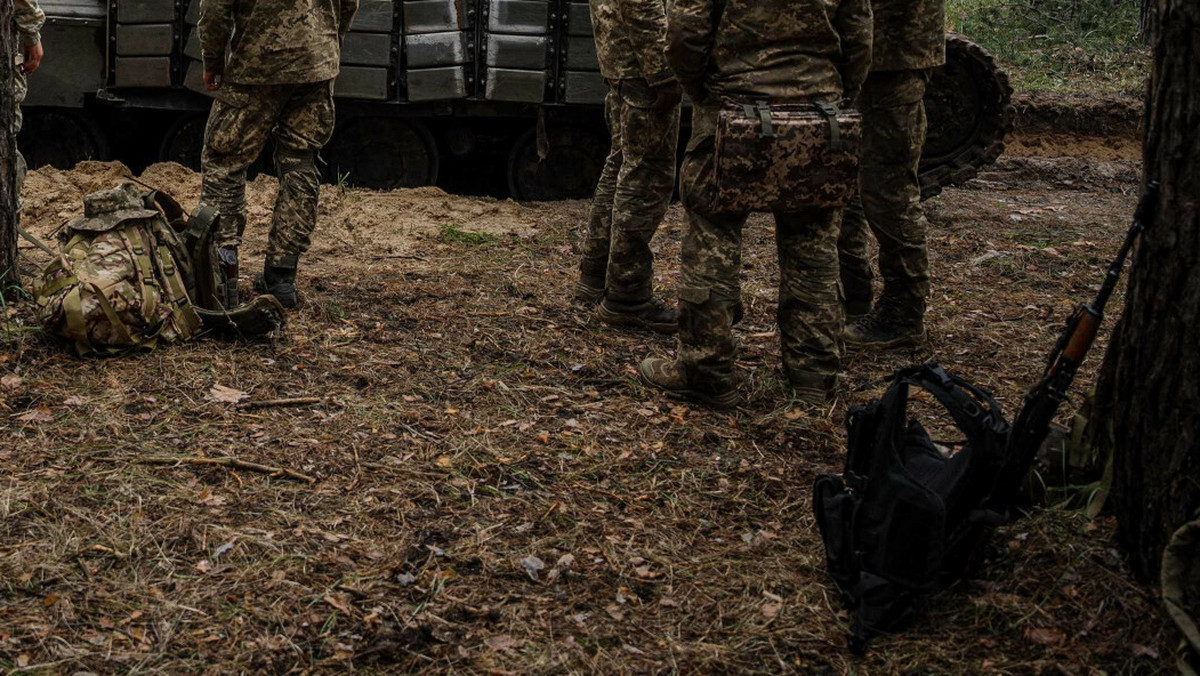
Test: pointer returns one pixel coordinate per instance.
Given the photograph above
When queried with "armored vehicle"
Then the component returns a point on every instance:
(471, 91)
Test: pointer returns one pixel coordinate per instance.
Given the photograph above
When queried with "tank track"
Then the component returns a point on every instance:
(993, 120)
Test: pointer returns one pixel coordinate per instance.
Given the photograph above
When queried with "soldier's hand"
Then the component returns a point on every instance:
(666, 97)
(212, 81)
(33, 57)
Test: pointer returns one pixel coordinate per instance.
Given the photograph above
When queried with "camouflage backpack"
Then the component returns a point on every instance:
(128, 272)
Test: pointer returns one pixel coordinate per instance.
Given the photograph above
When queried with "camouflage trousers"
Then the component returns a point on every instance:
(633, 194)
(809, 314)
(889, 201)
(300, 119)
(20, 89)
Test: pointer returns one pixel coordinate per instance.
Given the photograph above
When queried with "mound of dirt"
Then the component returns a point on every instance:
(348, 222)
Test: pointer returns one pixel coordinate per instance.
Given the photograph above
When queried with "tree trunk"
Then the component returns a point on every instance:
(9, 275)
(1149, 388)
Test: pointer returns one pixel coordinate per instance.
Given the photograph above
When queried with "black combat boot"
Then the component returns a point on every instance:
(898, 321)
(590, 288)
(668, 376)
(653, 315)
(858, 295)
(227, 277)
(279, 281)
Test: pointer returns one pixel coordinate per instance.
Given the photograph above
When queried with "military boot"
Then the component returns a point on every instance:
(669, 376)
(227, 277)
(858, 295)
(279, 281)
(898, 321)
(590, 288)
(653, 315)
(812, 389)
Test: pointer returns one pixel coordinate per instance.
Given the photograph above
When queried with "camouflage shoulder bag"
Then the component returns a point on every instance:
(786, 158)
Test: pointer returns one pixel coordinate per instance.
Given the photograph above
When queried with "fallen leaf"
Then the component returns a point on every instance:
(501, 642)
(770, 610)
(225, 395)
(1047, 636)
(73, 400)
(532, 565)
(443, 461)
(11, 381)
(614, 611)
(203, 566)
(339, 601)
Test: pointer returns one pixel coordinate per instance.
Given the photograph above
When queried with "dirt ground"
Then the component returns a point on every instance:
(493, 490)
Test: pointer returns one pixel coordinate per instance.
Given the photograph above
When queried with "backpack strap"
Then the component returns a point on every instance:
(145, 270)
(981, 423)
(76, 327)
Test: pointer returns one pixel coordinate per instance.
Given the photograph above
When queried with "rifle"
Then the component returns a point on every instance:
(1032, 425)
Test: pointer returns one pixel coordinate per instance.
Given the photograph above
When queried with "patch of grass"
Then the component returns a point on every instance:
(451, 234)
(1060, 46)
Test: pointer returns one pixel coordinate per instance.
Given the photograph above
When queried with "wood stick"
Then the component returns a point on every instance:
(276, 403)
(227, 462)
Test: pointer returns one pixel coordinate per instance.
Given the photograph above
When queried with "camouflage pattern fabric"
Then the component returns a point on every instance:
(890, 204)
(909, 34)
(300, 117)
(118, 282)
(630, 38)
(809, 315)
(788, 51)
(28, 17)
(796, 167)
(633, 194)
(274, 41)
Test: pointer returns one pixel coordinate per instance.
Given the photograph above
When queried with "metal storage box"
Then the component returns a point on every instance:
(434, 16)
(521, 86)
(367, 49)
(374, 16)
(145, 39)
(143, 71)
(433, 84)
(436, 49)
(526, 17)
(517, 51)
(145, 11)
(357, 82)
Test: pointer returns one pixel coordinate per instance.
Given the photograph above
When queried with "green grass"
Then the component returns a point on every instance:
(453, 235)
(1060, 46)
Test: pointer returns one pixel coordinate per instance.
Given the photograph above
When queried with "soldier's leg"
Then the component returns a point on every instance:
(644, 186)
(238, 124)
(810, 316)
(305, 126)
(855, 259)
(20, 89)
(891, 198)
(597, 237)
(710, 294)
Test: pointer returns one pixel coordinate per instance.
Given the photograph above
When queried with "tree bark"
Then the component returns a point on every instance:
(9, 275)
(1149, 387)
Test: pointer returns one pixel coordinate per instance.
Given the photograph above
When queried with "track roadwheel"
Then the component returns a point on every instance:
(969, 108)
(382, 153)
(60, 138)
(184, 141)
(574, 158)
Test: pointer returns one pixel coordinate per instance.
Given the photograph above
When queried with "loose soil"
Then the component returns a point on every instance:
(494, 490)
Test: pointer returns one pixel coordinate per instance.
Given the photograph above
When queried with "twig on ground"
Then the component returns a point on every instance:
(278, 403)
(227, 462)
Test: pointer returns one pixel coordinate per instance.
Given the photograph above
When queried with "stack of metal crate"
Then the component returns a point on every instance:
(438, 49)
(143, 36)
(581, 80)
(517, 48)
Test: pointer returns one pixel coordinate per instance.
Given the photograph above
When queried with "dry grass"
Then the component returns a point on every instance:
(495, 491)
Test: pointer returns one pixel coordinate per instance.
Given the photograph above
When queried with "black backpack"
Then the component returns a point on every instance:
(906, 520)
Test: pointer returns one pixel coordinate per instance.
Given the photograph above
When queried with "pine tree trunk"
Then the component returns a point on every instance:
(1149, 389)
(9, 276)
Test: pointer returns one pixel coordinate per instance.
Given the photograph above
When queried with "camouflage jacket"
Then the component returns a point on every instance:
(274, 41)
(909, 34)
(28, 18)
(782, 50)
(630, 38)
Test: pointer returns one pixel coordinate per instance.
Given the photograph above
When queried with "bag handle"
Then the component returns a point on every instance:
(762, 111)
(830, 111)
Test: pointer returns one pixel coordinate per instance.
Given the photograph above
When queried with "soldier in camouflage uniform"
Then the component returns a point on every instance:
(28, 18)
(642, 109)
(277, 79)
(909, 42)
(785, 51)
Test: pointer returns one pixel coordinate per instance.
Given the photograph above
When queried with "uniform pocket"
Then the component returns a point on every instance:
(635, 92)
(230, 120)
